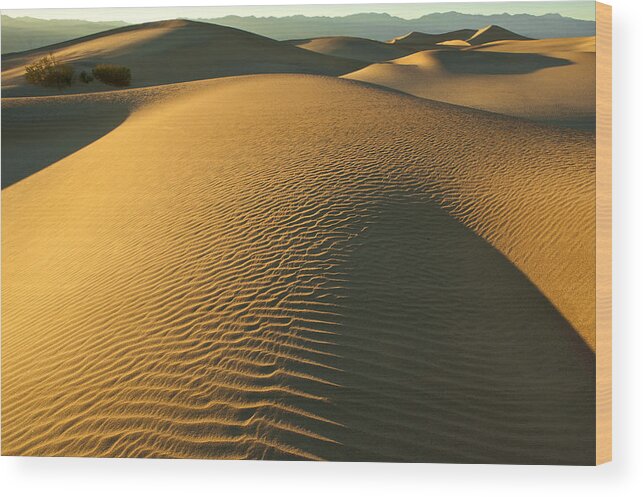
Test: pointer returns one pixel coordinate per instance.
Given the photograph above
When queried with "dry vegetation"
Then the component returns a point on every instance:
(111, 74)
(48, 71)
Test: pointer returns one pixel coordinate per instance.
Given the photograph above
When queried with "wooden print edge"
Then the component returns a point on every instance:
(603, 233)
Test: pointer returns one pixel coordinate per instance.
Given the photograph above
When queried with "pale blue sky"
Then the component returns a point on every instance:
(576, 9)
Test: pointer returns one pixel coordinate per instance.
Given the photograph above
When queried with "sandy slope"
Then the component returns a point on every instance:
(493, 33)
(303, 267)
(464, 37)
(169, 52)
(454, 43)
(556, 87)
(353, 48)
(579, 44)
(417, 41)
(38, 131)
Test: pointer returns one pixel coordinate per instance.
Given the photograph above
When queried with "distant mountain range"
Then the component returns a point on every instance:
(384, 27)
(24, 33)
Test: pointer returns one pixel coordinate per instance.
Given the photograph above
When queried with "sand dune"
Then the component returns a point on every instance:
(493, 33)
(555, 87)
(369, 276)
(454, 43)
(464, 37)
(39, 131)
(422, 41)
(353, 48)
(169, 52)
(580, 44)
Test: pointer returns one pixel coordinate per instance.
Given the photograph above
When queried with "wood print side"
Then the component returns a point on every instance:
(603, 233)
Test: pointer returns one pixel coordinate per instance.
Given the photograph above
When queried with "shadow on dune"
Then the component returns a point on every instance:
(177, 51)
(37, 134)
(447, 353)
(297, 299)
(471, 62)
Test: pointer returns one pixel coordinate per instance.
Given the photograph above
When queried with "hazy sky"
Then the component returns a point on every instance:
(579, 10)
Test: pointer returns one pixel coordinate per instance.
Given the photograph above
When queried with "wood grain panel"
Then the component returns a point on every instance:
(603, 233)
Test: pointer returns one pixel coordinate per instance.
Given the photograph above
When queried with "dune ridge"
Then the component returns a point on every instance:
(348, 292)
(419, 41)
(62, 124)
(422, 41)
(353, 48)
(579, 44)
(493, 33)
(545, 81)
(174, 51)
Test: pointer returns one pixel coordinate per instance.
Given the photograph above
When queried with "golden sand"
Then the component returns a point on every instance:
(289, 266)
(493, 33)
(579, 44)
(170, 52)
(354, 48)
(547, 81)
(423, 41)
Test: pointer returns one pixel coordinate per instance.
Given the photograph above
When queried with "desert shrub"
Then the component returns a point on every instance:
(85, 77)
(112, 74)
(47, 71)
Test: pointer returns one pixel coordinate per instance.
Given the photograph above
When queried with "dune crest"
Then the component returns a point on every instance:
(580, 44)
(422, 41)
(166, 52)
(454, 43)
(493, 33)
(353, 48)
(526, 80)
(294, 301)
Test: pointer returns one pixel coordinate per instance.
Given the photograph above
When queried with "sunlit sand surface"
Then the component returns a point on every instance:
(424, 41)
(170, 52)
(353, 48)
(549, 81)
(493, 33)
(579, 44)
(299, 267)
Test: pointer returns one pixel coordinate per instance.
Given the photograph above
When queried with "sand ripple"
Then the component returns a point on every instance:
(303, 267)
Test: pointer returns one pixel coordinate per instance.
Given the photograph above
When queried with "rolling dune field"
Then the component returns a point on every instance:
(423, 41)
(353, 48)
(493, 33)
(298, 267)
(580, 44)
(166, 52)
(552, 82)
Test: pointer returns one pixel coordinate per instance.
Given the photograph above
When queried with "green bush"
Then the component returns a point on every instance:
(112, 74)
(85, 77)
(47, 71)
